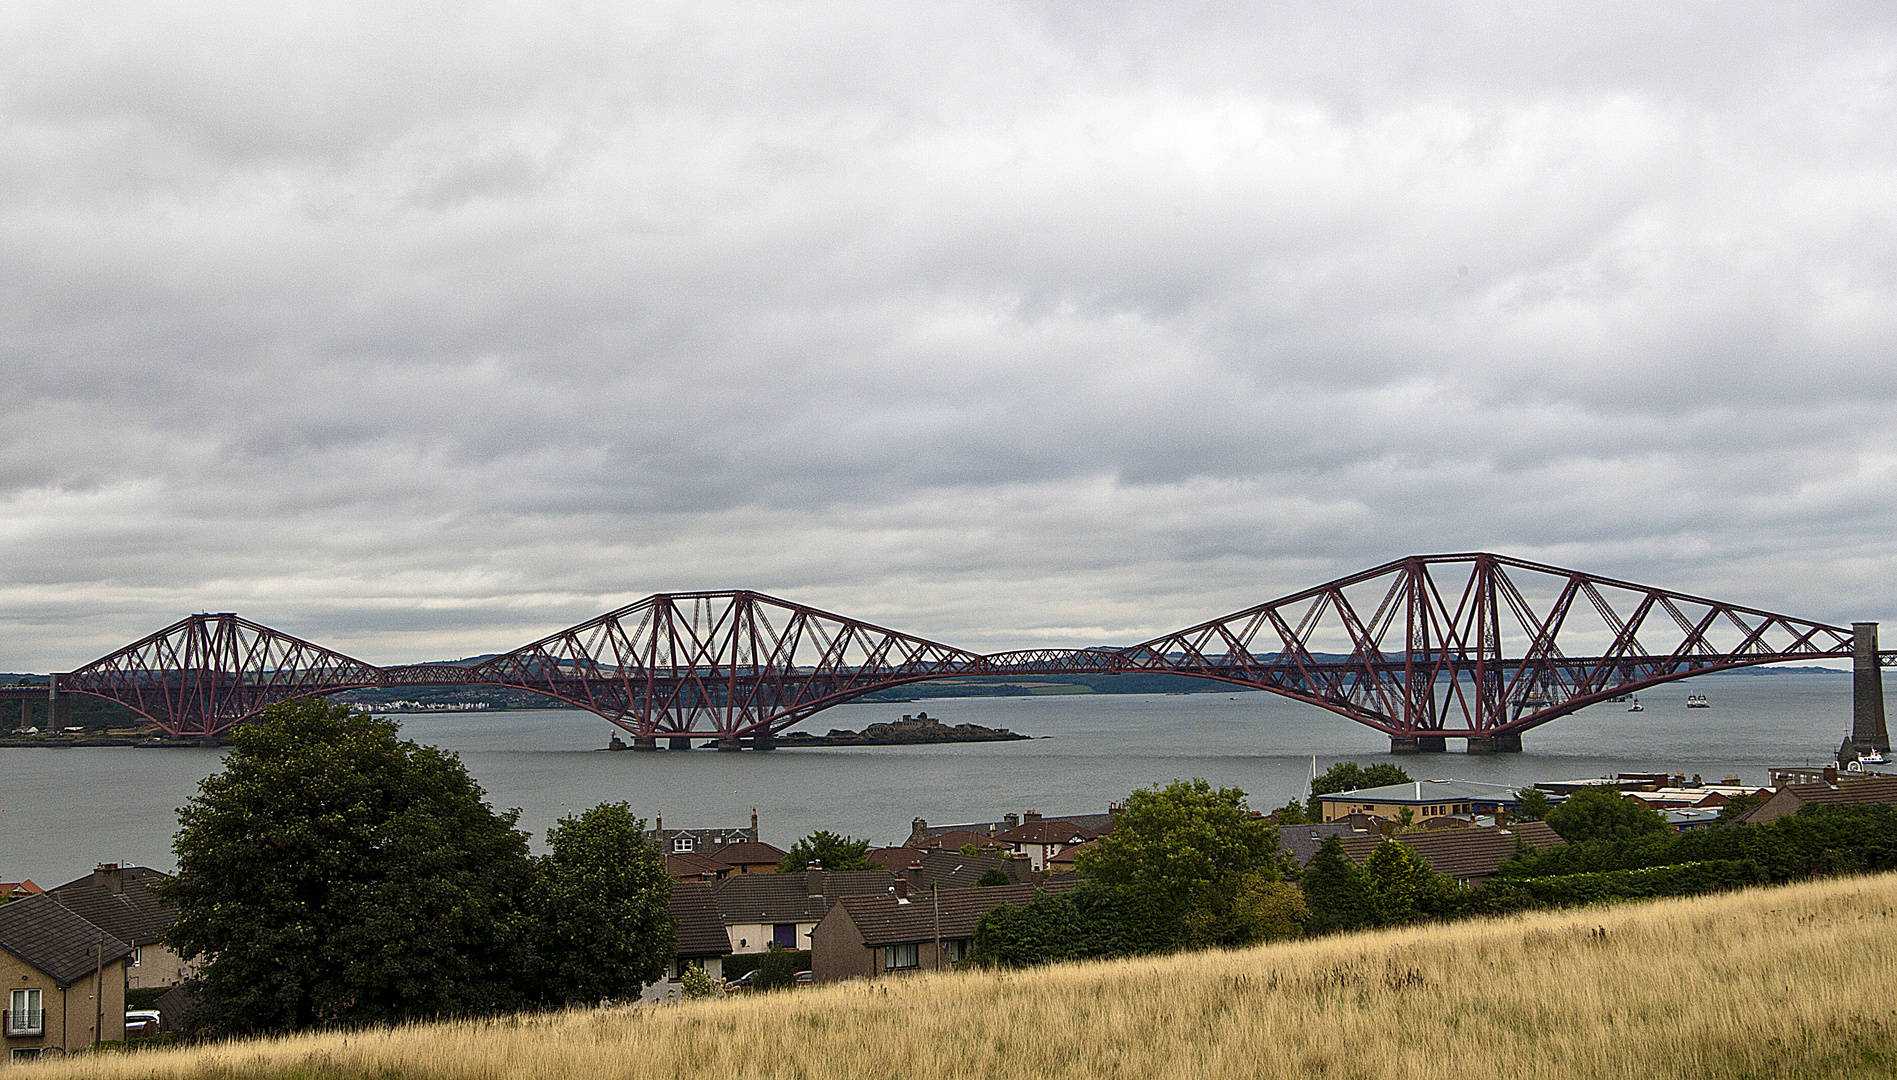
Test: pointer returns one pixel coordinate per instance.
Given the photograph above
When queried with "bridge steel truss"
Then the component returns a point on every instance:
(1474, 646)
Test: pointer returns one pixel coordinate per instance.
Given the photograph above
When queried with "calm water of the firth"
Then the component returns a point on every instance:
(62, 811)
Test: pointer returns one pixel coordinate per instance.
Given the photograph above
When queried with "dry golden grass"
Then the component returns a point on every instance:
(1792, 981)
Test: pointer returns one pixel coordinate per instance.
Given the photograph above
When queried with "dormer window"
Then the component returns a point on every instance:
(682, 843)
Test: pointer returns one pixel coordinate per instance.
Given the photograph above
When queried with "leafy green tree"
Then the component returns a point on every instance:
(602, 909)
(1182, 855)
(1739, 804)
(1603, 813)
(1082, 924)
(1336, 891)
(1350, 776)
(1531, 804)
(334, 874)
(778, 968)
(1398, 881)
(1292, 813)
(992, 877)
(834, 852)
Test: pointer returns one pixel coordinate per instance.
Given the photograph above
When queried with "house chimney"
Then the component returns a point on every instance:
(754, 835)
(1033, 816)
(109, 877)
(902, 890)
(1501, 817)
(918, 833)
(1013, 820)
(658, 824)
(1831, 775)
(813, 880)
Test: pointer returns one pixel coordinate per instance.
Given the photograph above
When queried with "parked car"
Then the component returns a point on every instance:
(743, 982)
(805, 978)
(140, 1023)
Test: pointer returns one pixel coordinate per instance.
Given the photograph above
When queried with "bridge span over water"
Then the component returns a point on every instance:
(1478, 647)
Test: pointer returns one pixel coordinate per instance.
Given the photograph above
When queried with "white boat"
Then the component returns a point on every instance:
(1636, 706)
(1697, 701)
(1874, 757)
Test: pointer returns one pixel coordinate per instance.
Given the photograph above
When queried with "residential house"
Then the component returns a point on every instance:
(748, 857)
(690, 866)
(1037, 838)
(697, 841)
(701, 939)
(906, 930)
(924, 835)
(13, 890)
(1469, 855)
(120, 900)
(1302, 841)
(762, 910)
(1846, 790)
(945, 868)
(1422, 798)
(63, 977)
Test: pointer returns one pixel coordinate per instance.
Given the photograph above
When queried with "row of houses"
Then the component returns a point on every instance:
(68, 955)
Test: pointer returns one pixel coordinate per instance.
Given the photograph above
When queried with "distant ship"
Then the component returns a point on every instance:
(1636, 706)
(1697, 701)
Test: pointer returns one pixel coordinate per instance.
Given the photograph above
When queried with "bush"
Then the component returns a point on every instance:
(1568, 890)
(694, 983)
(777, 969)
(739, 965)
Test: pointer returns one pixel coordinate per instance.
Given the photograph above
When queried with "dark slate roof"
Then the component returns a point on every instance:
(131, 913)
(747, 852)
(49, 937)
(949, 869)
(882, 920)
(1091, 822)
(701, 930)
(1302, 841)
(687, 864)
(1046, 832)
(1849, 791)
(805, 897)
(896, 859)
(1474, 852)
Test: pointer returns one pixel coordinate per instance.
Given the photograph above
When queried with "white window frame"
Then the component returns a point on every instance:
(682, 843)
(25, 1002)
(893, 953)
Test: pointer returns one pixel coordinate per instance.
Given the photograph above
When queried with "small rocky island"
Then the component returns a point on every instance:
(909, 731)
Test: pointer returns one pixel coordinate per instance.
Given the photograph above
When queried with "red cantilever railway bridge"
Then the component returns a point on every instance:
(1472, 646)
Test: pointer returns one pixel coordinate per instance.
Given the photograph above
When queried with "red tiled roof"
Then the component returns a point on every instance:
(748, 853)
(896, 859)
(1045, 832)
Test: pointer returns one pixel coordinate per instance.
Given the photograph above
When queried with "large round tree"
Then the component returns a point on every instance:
(334, 874)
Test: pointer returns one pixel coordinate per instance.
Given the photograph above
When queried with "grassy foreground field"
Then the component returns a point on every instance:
(1787, 982)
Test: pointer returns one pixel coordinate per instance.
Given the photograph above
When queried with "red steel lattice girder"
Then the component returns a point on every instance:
(1467, 645)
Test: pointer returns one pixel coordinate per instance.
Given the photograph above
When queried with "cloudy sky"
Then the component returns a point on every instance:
(424, 329)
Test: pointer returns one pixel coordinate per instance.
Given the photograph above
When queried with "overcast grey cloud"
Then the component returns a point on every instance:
(424, 329)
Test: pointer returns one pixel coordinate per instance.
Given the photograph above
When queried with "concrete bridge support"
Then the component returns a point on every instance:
(1867, 691)
(1507, 742)
(1422, 744)
(644, 742)
(731, 744)
(676, 743)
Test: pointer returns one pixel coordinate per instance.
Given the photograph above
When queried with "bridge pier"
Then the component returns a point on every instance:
(678, 743)
(645, 742)
(1505, 742)
(732, 744)
(762, 741)
(1867, 691)
(1421, 744)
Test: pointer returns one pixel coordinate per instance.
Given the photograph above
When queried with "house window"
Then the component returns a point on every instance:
(682, 843)
(23, 1013)
(134, 956)
(27, 1053)
(784, 935)
(896, 957)
(957, 949)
